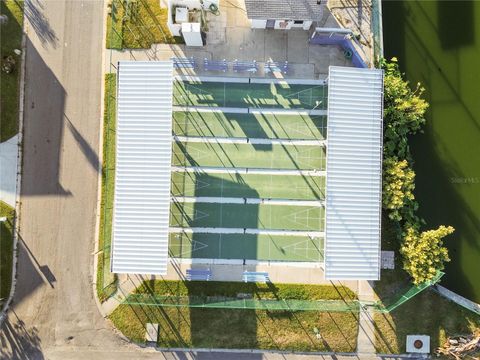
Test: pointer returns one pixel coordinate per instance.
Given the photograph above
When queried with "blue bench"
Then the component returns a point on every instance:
(255, 276)
(274, 66)
(198, 274)
(184, 63)
(249, 66)
(215, 65)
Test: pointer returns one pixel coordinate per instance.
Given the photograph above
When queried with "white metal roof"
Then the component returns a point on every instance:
(354, 173)
(143, 160)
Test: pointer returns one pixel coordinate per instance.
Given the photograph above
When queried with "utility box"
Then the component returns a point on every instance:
(151, 334)
(192, 34)
(419, 344)
(181, 15)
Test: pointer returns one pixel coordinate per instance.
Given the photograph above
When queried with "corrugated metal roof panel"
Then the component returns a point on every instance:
(143, 160)
(354, 172)
(285, 9)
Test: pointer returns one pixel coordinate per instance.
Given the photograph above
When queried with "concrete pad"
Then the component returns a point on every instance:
(276, 45)
(366, 334)
(302, 71)
(365, 291)
(241, 44)
(297, 46)
(8, 170)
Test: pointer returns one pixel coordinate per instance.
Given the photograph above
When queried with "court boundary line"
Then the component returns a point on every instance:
(250, 231)
(246, 262)
(248, 201)
(248, 80)
(249, 110)
(247, 171)
(246, 141)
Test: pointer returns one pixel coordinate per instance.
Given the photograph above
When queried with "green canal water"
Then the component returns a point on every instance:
(438, 44)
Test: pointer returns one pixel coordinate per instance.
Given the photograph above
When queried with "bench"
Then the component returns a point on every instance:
(274, 66)
(255, 276)
(198, 274)
(184, 63)
(249, 66)
(215, 65)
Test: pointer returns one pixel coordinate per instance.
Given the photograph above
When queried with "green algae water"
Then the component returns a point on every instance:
(438, 44)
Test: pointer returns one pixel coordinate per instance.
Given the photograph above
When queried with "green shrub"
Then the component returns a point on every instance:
(404, 111)
(424, 253)
(398, 186)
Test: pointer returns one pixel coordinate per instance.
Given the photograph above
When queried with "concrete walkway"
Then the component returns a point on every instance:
(8, 170)
(366, 328)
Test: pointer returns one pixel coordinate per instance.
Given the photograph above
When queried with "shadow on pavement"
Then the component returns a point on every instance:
(43, 128)
(85, 147)
(19, 343)
(41, 26)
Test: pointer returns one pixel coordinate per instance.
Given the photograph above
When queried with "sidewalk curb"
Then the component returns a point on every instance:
(18, 204)
(99, 180)
(354, 355)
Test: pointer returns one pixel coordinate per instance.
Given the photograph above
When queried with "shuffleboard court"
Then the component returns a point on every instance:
(252, 186)
(256, 216)
(259, 125)
(273, 95)
(246, 246)
(275, 156)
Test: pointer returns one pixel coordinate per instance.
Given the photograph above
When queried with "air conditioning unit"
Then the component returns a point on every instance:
(419, 344)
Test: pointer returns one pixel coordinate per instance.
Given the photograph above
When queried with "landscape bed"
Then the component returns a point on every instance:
(230, 328)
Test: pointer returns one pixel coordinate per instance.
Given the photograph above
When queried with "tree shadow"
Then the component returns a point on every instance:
(40, 24)
(456, 23)
(87, 150)
(17, 342)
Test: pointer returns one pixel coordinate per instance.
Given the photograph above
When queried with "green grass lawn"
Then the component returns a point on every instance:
(278, 330)
(10, 39)
(426, 313)
(138, 25)
(6, 249)
(105, 279)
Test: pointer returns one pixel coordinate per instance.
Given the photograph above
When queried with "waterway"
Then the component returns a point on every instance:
(438, 44)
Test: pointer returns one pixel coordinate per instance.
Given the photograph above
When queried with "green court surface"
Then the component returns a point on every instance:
(253, 186)
(219, 124)
(250, 95)
(246, 246)
(265, 126)
(256, 216)
(247, 155)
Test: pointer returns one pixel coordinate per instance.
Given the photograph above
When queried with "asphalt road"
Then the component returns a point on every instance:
(54, 314)
(54, 305)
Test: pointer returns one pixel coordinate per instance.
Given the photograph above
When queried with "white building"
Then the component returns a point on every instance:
(284, 14)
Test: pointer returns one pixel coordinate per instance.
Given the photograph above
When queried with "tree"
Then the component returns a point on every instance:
(398, 186)
(404, 111)
(424, 253)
